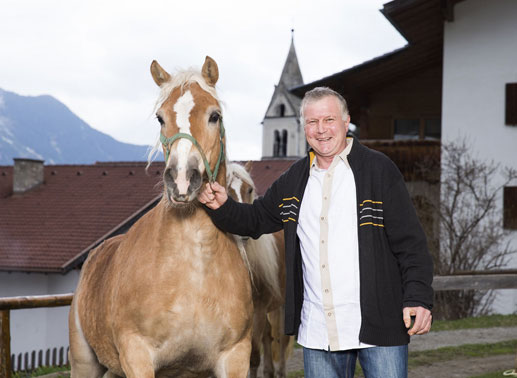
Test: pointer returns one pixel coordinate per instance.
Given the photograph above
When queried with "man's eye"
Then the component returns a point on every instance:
(330, 120)
(214, 117)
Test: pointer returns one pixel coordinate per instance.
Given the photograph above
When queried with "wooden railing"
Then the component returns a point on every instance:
(470, 280)
(16, 303)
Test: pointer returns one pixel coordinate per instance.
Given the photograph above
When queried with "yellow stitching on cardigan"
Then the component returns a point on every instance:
(373, 224)
(281, 205)
(379, 202)
(290, 198)
(288, 219)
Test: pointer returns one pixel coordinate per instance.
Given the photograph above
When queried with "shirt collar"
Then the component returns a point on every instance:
(342, 156)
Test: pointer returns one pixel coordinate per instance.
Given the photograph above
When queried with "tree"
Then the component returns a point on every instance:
(465, 226)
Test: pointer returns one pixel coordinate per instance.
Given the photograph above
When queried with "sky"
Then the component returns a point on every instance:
(94, 56)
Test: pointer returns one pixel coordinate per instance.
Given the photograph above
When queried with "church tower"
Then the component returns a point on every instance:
(282, 134)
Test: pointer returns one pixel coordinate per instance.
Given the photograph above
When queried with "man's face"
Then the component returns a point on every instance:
(325, 129)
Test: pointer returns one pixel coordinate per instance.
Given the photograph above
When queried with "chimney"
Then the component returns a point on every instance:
(28, 174)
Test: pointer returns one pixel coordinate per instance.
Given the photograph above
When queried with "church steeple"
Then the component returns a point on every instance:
(282, 136)
(291, 74)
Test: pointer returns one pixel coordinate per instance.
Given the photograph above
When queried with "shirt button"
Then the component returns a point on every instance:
(323, 266)
(326, 291)
(325, 198)
(322, 218)
(323, 242)
(329, 314)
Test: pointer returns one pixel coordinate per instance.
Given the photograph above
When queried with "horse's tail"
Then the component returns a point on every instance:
(282, 345)
(262, 255)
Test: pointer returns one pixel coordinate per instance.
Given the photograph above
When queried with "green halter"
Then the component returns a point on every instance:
(167, 143)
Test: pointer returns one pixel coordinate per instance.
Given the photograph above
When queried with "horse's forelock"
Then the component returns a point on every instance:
(182, 79)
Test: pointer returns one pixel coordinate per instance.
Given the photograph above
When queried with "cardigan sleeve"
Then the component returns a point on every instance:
(260, 217)
(408, 243)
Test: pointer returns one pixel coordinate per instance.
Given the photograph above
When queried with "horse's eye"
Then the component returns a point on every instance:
(160, 119)
(214, 117)
(250, 190)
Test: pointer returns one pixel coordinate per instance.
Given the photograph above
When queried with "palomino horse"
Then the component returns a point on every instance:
(266, 260)
(172, 297)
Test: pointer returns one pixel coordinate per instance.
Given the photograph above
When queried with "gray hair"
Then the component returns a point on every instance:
(319, 93)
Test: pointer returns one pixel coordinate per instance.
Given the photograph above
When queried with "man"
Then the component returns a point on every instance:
(357, 264)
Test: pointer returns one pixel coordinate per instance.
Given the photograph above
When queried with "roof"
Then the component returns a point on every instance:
(47, 228)
(421, 23)
(52, 227)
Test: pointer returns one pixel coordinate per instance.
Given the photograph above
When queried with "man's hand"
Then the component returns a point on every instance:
(213, 195)
(423, 320)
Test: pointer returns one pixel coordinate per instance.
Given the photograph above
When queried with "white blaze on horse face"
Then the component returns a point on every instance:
(236, 186)
(183, 107)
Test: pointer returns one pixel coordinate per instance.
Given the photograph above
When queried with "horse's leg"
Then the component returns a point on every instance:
(282, 344)
(259, 322)
(135, 357)
(267, 340)
(235, 362)
(83, 361)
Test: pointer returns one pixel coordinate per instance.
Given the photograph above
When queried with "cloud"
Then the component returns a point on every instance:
(95, 55)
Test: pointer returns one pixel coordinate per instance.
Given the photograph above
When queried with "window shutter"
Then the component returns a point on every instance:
(511, 104)
(510, 208)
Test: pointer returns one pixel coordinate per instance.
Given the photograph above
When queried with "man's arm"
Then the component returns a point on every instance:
(241, 218)
(409, 245)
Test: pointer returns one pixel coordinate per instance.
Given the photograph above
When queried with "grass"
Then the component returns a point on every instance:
(488, 321)
(44, 370)
(495, 374)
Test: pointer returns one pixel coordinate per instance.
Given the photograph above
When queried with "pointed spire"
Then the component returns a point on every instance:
(291, 74)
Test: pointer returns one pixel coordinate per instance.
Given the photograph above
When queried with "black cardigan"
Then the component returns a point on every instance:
(394, 263)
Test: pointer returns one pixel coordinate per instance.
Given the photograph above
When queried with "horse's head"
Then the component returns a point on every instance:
(240, 184)
(192, 133)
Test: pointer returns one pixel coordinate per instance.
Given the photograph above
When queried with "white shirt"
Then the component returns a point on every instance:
(327, 229)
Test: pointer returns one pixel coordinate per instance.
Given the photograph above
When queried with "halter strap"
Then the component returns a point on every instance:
(167, 143)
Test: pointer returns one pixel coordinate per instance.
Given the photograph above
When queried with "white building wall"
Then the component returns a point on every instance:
(41, 328)
(480, 57)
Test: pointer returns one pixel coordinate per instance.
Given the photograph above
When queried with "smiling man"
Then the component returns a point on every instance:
(357, 264)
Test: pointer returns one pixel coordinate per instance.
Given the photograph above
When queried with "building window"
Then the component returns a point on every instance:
(511, 104)
(281, 110)
(284, 143)
(276, 144)
(510, 207)
(406, 129)
(417, 128)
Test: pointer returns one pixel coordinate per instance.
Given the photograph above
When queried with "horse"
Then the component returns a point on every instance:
(266, 259)
(172, 296)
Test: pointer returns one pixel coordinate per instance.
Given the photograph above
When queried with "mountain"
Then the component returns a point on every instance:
(43, 128)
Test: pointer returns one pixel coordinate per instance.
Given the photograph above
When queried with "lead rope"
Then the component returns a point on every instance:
(167, 143)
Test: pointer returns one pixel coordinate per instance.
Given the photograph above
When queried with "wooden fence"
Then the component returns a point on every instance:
(469, 280)
(16, 303)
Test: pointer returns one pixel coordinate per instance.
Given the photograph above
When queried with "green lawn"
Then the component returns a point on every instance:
(477, 322)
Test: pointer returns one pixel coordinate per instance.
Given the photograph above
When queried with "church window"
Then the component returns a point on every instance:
(281, 110)
(283, 151)
(276, 144)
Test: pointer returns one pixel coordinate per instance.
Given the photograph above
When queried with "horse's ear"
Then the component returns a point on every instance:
(160, 76)
(210, 71)
(248, 165)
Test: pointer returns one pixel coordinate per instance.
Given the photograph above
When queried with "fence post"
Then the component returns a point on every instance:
(5, 345)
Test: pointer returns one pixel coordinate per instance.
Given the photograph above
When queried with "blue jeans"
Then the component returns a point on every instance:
(376, 362)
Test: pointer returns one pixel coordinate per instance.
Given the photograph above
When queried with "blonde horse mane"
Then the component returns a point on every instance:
(260, 254)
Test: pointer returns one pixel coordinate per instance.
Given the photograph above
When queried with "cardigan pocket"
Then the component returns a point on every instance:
(371, 213)
(289, 209)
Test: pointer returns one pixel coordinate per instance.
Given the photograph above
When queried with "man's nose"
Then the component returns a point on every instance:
(320, 127)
